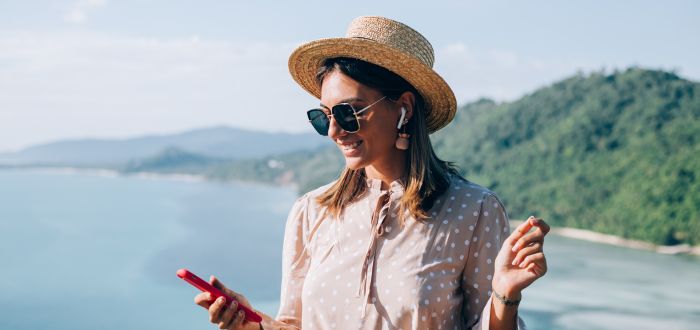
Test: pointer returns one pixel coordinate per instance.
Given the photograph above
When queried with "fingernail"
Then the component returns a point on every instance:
(514, 262)
(515, 248)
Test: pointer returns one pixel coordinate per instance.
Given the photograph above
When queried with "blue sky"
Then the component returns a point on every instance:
(116, 69)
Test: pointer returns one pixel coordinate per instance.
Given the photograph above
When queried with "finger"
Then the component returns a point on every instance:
(535, 236)
(216, 309)
(228, 315)
(530, 249)
(238, 322)
(532, 258)
(524, 227)
(541, 224)
(519, 231)
(538, 268)
(203, 299)
(217, 284)
(214, 281)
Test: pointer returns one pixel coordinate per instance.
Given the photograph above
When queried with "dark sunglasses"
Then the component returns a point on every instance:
(343, 113)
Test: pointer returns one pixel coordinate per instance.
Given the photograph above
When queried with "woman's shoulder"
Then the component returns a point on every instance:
(307, 206)
(309, 199)
(473, 197)
(313, 194)
(460, 185)
(467, 200)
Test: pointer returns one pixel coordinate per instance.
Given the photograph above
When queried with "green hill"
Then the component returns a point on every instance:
(614, 153)
(618, 153)
(304, 169)
(171, 160)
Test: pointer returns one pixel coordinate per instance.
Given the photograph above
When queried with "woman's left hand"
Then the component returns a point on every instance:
(521, 259)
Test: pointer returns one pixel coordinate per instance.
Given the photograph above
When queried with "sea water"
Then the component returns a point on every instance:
(82, 251)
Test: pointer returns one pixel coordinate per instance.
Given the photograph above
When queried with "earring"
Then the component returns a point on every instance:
(402, 140)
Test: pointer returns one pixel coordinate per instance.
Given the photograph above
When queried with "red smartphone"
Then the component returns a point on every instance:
(204, 286)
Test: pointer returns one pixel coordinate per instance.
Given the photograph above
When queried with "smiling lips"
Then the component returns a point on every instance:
(348, 147)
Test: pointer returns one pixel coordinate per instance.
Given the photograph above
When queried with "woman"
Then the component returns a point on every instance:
(399, 241)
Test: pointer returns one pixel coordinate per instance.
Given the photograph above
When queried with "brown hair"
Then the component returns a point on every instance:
(426, 178)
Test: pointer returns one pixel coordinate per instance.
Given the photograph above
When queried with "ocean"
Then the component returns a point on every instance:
(100, 251)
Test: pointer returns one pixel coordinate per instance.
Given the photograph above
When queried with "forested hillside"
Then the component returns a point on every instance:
(615, 153)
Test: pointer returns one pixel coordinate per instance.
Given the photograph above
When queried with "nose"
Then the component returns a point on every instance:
(334, 130)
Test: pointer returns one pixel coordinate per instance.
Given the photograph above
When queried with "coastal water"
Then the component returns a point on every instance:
(82, 251)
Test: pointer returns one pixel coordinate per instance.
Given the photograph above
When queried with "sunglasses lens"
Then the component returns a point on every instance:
(345, 116)
(319, 121)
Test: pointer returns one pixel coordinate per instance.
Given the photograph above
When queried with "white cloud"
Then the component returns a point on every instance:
(58, 85)
(78, 12)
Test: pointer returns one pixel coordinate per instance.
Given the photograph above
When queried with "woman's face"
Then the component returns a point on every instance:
(373, 145)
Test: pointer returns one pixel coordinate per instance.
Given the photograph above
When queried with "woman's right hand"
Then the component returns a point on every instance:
(226, 317)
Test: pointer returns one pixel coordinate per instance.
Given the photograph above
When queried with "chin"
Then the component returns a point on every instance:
(354, 163)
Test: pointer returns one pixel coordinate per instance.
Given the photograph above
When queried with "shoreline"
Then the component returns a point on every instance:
(596, 237)
(109, 173)
(575, 233)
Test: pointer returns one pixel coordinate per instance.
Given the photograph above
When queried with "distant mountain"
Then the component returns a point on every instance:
(216, 142)
(615, 153)
(172, 160)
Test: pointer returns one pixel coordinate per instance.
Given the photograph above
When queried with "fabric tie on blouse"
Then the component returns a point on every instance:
(379, 215)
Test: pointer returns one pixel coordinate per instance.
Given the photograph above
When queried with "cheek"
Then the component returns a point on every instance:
(381, 137)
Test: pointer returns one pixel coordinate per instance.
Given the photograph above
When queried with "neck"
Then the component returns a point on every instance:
(388, 171)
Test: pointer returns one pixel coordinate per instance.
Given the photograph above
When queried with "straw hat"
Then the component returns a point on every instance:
(389, 44)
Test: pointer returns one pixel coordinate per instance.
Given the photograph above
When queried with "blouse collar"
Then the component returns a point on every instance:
(396, 187)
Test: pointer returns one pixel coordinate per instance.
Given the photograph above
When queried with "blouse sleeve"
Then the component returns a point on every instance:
(490, 232)
(295, 263)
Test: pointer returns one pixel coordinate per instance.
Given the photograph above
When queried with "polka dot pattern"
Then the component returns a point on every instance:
(428, 274)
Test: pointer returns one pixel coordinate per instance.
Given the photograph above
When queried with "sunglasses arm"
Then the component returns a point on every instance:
(369, 106)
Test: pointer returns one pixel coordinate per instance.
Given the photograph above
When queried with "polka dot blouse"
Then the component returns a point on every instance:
(365, 270)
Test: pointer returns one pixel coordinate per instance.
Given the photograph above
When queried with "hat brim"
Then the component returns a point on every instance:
(440, 102)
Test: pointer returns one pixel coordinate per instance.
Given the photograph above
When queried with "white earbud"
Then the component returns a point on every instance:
(403, 115)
